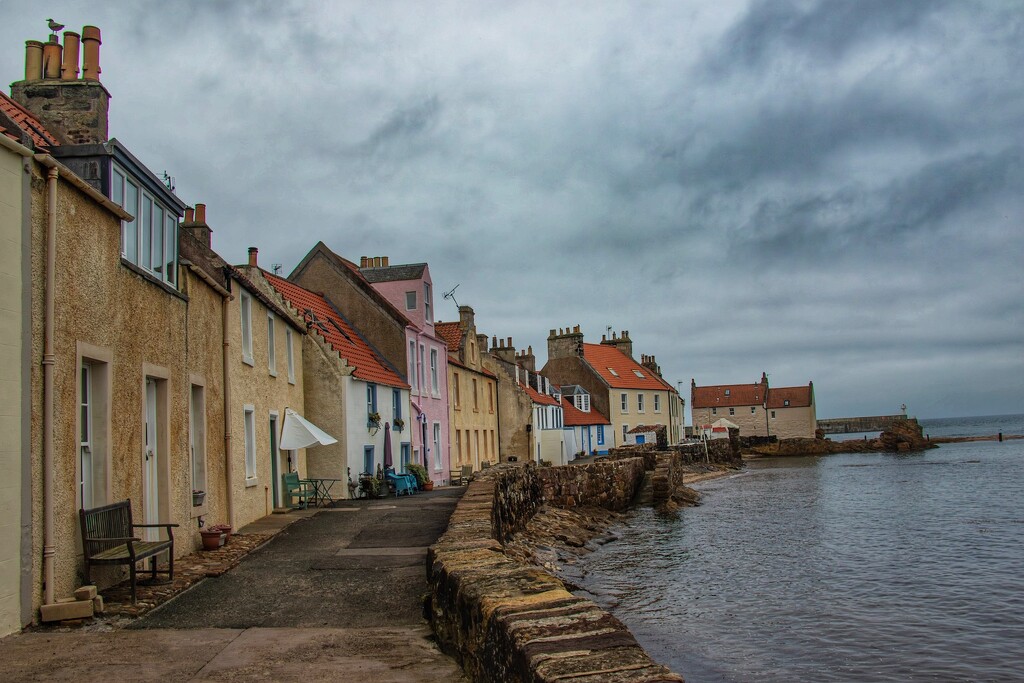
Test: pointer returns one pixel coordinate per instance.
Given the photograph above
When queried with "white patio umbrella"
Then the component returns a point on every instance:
(298, 432)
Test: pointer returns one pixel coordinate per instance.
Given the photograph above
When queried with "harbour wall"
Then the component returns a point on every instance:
(506, 620)
(853, 425)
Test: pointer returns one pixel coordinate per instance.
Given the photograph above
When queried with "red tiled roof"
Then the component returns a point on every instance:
(739, 395)
(338, 333)
(27, 121)
(601, 357)
(573, 417)
(798, 397)
(450, 333)
(538, 397)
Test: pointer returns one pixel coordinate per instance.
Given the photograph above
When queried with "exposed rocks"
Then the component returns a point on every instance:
(901, 437)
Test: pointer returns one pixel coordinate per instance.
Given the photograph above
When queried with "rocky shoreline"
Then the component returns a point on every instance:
(556, 538)
(905, 436)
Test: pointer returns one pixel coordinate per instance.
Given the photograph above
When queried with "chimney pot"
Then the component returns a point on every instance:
(576, 329)
(91, 53)
(494, 342)
(200, 213)
(385, 261)
(190, 215)
(254, 257)
(362, 261)
(51, 59)
(510, 342)
(33, 60)
(376, 261)
(69, 67)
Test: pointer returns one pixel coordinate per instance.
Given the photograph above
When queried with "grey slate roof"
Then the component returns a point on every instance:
(408, 271)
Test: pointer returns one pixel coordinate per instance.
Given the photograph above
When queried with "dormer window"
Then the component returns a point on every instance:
(150, 239)
(583, 402)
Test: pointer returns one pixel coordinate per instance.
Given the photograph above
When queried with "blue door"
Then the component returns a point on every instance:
(640, 438)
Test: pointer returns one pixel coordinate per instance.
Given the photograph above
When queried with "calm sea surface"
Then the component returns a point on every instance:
(856, 567)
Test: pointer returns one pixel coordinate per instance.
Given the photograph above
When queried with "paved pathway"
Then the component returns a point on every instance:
(336, 596)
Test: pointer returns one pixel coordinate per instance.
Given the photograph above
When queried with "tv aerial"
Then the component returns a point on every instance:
(451, 295)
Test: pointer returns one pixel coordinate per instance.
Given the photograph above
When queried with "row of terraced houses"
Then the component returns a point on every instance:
(139, 364)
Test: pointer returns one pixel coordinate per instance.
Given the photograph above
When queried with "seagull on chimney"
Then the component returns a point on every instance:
(54, 26)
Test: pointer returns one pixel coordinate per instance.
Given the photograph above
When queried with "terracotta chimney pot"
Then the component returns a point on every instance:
(200, 213)
(33, 60)
(362, 261)
(384, 261)
(91, 53)
(190, 215)
(51, 59)
(254, 257)
(69, 68)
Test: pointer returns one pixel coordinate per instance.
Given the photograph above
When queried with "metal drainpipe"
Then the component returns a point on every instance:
(48, 363)
(228, 470)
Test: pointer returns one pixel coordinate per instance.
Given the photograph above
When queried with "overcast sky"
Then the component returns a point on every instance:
(823, 190)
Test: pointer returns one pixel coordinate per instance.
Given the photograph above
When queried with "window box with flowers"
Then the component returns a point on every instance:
(399, 424)
(373, 421)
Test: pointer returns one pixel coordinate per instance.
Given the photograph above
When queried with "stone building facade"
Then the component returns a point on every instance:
(627, 392)
(516, 434)
(757, 409)
(473, 393)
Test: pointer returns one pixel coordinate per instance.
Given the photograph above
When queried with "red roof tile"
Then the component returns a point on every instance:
(573, 417)
(605, 359)
(450, 333)
(538, 397)
(643, 429)
(798, 397)
(729, 395)
(339, 334)
(27, 121)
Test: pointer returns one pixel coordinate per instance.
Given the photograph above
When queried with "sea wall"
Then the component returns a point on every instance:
(509, 621)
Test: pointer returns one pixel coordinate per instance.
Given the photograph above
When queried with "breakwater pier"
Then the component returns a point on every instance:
(850, 425)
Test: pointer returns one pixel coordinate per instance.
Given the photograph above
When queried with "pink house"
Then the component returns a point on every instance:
(409, 288)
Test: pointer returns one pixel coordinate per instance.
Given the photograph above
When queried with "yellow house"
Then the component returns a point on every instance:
(472, 395)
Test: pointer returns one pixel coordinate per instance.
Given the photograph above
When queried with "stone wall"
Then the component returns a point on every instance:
(506, 620)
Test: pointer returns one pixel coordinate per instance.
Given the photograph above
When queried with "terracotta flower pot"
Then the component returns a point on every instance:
(429, 486)
(212, 539)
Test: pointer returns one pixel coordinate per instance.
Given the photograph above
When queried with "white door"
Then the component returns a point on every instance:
(150, 471)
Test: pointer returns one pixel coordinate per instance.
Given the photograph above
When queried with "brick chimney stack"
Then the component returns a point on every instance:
(503, 352)
(566, 343)
(74, 108)
(651, 364)
(467, 320)
(195, 224)
(527, 359)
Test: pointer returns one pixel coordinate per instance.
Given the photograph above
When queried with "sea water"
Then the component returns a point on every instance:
(858, 567)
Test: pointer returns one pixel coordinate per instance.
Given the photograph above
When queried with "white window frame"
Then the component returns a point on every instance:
(245, 304)
(290, 349)
(437, 447)
(435, 388)
(197, 439)
(249, 438)
(410, 301)
(420, 360)
(271, 344)
(625, 431)
(427, 304)
(639, 403)
(412, 365)
(624, 403)
(166, 232)
(657, 403)
(86, 469)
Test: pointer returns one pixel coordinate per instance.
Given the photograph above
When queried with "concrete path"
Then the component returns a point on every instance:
(335, 596)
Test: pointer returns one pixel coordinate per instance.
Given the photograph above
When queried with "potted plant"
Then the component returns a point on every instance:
(370, 486)
(197, 498)
(399, 424)
(422, 479)
(373, 420)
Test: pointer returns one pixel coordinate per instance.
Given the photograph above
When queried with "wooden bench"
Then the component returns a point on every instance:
(107, 538)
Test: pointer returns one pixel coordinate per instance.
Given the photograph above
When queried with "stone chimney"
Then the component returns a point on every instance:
(195, 224)
(73, 108)
(651, 364)
(527, 359)
(467, 321)
(623, 343)
(502, 351)
(567, 343)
